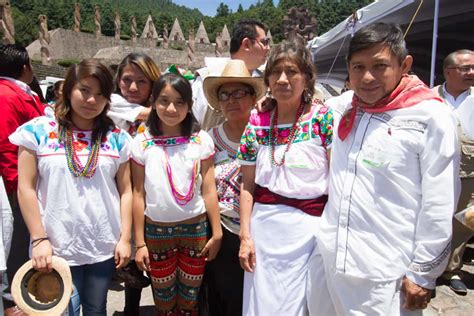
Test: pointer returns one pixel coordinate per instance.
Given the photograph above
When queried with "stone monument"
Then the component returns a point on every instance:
(299, 23)
(201, 35)
(191, 47)
(117, 25)
(149, 31)
(133, 29)
(225, 37)
(176, 34)
(218, 44)
(165, 36)
(98, 28)
(77, 17)
(44, 39)
(270, 38)
(6, 22)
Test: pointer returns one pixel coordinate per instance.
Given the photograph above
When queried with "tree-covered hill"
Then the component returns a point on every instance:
(60, 14)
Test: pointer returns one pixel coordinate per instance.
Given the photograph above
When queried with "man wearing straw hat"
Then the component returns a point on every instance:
(248, 43)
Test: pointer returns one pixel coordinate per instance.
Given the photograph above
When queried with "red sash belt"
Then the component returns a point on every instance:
(312, 207)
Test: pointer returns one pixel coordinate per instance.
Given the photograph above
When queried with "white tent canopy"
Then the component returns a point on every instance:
(456, 18)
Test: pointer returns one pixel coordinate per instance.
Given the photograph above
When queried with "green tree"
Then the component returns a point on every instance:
(222, 10)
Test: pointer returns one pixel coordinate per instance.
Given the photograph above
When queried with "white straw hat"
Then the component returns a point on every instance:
(38, 293)
(234, 71)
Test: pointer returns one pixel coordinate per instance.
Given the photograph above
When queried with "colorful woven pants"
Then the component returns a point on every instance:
(176, 267)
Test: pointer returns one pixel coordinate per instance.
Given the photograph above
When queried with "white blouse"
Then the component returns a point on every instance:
(81, 215)
(150, 152)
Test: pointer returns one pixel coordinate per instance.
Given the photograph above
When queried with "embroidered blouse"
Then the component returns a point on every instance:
(81, 216)
(228, 178)
(305, 172)
(151, 152)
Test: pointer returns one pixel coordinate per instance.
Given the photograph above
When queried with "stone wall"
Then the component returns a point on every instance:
(41, 71)
(67, 44)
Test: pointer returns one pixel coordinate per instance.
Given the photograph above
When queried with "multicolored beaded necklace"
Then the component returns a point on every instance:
(74, 164)
(182, 199)
(273, 134)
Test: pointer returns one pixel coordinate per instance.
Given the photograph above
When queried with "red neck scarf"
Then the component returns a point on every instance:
(410, 91)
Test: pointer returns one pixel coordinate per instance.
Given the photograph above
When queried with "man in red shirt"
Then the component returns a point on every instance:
(18, 104)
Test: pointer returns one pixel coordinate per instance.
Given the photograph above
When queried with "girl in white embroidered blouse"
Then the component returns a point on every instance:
(74, 186)
(174, 193)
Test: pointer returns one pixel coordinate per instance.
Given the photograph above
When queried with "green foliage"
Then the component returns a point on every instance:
(60, 13)
(66, 63)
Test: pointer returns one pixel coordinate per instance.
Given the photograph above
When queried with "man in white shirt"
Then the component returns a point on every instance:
(458, 70)
(385, 232)
(457, 91)
(248, 43)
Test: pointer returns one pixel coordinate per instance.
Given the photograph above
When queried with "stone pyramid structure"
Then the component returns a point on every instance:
(149, 28)
(270, 37)
(225, 36)
(201, 36)
(176, 33)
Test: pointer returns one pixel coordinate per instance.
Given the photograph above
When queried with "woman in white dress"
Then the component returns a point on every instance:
(284, 157)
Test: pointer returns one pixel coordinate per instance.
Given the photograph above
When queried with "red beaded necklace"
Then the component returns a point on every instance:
(273, 134)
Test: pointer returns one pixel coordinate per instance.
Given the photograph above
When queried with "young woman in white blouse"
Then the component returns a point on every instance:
(74, 186)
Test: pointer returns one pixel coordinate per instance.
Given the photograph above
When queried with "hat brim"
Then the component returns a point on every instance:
(27, 304)
(212, 84)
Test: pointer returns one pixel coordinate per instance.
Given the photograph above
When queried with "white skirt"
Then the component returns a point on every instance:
(284, 238)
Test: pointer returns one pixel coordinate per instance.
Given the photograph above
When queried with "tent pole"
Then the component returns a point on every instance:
(434, 43)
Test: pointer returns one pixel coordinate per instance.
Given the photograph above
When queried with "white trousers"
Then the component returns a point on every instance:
(339, 294)
(285, 239)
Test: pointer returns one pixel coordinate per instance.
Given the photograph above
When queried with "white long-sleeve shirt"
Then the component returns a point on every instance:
(393, 188)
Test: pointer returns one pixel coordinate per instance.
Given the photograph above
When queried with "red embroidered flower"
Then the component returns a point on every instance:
(243, 149)
(81, 135)
(261, 133)
(323, 110)
(80, 145)
(103, 139)
(116, 130)
(316, 129)
(305, 128)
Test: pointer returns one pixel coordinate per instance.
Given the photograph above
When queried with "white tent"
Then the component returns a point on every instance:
(455, 20)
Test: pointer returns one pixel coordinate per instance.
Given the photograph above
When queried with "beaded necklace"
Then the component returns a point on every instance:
(273, 134)
(74, 164)
(182, 199)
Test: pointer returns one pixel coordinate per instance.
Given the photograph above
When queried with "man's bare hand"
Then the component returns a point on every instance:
(416, 297)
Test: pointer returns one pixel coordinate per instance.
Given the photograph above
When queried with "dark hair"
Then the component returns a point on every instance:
(143, 62)
(297, 52)
(12, 59)
(450, 60)
(35, 86)
(52, 90)
(86, 68)
(245, 28)
(189, 125)
(379, 33)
